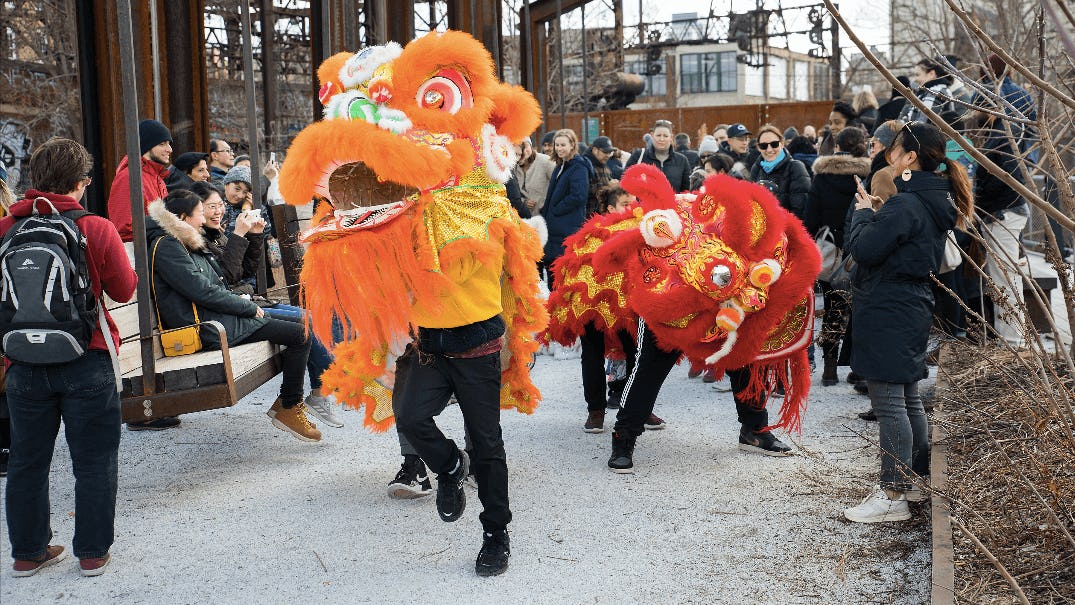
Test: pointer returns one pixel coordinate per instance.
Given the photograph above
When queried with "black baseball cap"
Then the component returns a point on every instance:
(604, 144)
(737, 130)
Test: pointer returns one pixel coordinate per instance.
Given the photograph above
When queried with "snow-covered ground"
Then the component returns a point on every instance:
(228, 509)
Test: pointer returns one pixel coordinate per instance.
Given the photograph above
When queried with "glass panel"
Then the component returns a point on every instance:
(729, 72)
(778, 77)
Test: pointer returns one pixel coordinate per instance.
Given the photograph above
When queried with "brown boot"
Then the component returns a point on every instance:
(294, 421)
(595, 422)
(828, 375)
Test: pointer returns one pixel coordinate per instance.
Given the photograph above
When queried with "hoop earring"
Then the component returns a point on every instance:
(906, 175)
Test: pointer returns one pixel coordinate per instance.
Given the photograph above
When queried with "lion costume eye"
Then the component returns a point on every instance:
(721, 275)
(447, 91)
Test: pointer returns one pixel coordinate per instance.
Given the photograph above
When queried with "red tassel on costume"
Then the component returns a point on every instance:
(793, 374)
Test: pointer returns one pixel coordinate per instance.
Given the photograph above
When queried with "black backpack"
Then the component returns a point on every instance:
(48, 312)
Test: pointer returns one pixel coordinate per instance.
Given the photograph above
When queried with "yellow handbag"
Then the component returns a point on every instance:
(180, 341)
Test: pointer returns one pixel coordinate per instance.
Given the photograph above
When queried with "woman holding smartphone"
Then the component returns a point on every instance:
(898, 246)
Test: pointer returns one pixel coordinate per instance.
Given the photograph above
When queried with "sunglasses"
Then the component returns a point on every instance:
(662, 124)
(769, 145)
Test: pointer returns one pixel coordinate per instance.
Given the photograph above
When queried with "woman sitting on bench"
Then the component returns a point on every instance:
(239, 254)
(186, 277)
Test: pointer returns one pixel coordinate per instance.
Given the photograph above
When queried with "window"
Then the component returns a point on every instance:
(656, 85)
(778, 77)
(802, 81)
(753, 81)
(707, 72)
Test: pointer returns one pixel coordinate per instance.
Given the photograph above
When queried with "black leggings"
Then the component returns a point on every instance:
(293, 336)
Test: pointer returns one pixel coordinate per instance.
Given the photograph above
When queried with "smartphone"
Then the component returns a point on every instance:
(858, 184)
(272, 157)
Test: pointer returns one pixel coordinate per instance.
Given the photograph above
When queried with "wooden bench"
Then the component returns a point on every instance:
(188, 383)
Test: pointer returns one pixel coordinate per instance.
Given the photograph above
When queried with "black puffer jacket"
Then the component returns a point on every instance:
(832, 192)
(676, 168)
(792, 182)
(897, 248)
(185, 272)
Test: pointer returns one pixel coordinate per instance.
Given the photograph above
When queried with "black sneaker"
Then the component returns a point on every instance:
(493, 557)
(852, 377)
(159, 424)
(623, 450)
(762, 443)
(451, 499)
(862, 388)
(412, 480)
(868, 415)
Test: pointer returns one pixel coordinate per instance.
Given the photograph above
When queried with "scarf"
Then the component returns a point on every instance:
(768, 166)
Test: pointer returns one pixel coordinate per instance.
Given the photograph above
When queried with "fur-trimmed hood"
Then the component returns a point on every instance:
(191, 238)
(842, 164)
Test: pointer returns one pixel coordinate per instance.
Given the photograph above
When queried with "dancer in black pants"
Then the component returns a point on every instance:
(652, 366)
(464, 361)
(593, 374)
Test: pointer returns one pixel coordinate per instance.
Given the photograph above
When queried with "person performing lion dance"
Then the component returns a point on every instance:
(723, 277)
(421, 256)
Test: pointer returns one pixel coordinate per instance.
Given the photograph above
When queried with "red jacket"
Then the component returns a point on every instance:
(119, 200)
(105, 256)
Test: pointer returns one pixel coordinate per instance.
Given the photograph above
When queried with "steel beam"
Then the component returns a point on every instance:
(184, 77)
(481, 19)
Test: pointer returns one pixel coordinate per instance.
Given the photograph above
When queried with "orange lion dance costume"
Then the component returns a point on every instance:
(724, 275)
(412, 154)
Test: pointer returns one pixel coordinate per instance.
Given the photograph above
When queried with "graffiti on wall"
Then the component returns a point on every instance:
(15, 144)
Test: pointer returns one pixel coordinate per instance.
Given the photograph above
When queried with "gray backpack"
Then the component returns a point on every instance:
(48, 312)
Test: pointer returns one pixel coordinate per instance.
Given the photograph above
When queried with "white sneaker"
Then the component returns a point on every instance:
(723, 385)
(879, 508)
(322, 407)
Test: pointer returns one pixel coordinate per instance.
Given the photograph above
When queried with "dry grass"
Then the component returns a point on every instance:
(1011, 476)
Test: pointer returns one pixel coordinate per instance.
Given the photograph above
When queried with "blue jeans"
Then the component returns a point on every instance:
(320, 359)
(904, 432)
(82, 393)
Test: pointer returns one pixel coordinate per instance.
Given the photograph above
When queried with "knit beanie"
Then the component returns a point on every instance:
(708, 145)
(238, 174)
(885, 134)
(548, 138)
(152, 133)
(791, 133)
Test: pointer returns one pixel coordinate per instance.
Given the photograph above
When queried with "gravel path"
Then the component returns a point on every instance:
(228, 509)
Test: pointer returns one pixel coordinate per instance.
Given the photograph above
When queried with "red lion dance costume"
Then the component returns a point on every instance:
(724, 275)
(412, 153)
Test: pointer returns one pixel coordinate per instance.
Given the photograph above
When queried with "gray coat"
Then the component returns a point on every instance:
(897, 248)
(185, 272)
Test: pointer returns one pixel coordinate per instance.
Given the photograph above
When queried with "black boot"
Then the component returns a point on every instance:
(493, 557)
(623, 450)
(828, 375)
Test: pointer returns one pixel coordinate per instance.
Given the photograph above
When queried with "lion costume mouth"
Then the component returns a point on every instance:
(362, 199)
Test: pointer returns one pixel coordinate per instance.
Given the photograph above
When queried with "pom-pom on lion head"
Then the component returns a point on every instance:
(404, 120)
